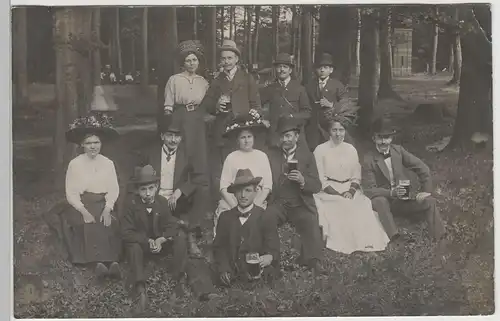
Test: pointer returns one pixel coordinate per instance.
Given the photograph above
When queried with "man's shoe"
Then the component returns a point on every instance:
(101, 270)
(115, 271)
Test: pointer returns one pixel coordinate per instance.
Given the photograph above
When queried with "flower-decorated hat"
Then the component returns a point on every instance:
(252, 120)
(97, 124)
(190, 47)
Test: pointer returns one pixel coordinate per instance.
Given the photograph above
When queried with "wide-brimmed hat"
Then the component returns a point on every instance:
(190, 47)
(169, 124)
(244, 177)
(288, 123)
(285, 59)
(144, 175)
(252, 121)
(325, 59)
(229, 45)
(382, 127)
(96, 124)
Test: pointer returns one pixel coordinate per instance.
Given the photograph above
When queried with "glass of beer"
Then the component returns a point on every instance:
(292, 165)
(406, 185)
(253, 265)
(225, 101)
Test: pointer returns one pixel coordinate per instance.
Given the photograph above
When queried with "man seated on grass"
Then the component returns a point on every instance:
(246, 244)
(149, 229)
(390, 188)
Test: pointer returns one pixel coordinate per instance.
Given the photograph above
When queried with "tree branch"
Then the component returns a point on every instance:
(476, 24)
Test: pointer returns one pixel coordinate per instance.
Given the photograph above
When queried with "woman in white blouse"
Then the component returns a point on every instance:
(241, 130)
(345, 214)
(91, 229)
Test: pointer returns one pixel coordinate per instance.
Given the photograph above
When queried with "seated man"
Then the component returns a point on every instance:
(385, 178)
(149, 229)
(295, 180)
(243, 230)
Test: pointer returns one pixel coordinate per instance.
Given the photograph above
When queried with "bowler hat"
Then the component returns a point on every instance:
(229, 45)
(244, 177)
(288, 123)
(170, 124)
(144, 175)
(325, 59)
(285, 59)
(382, 127)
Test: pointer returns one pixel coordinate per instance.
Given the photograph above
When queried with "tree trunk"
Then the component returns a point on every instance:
(385, 89)
(336, 23)
(457, 55)
(475, 112)
(313, 36)
(145, 49)
(210, 37)
(96, 55)
(72, 71)
(255, 42)
(231, 15)
(306, 56)
(275, 30)
(451, 57)
(20, 56)
(293, 31)
(358, 42)
(118, 42)
(221, 24)
(248, 32)
(368, 80)
(298, 46)
(195, 23)
(133, 55)
(435, 38)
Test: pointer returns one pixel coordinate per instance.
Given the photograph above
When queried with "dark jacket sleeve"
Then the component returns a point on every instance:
(271, 238)
(221, 245)
(304, 106)
(311, 177)
(129, 231)
(415, 164)
(370, 181)
(253, 94)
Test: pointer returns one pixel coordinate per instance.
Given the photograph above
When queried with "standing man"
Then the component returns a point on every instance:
(231, 93)
(325, 93)
(292, 195)
(286, 97)
(387, 171)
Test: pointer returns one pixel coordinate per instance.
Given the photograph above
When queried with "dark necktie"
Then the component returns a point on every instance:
(169, 153)
(386, 155)
(245, 215)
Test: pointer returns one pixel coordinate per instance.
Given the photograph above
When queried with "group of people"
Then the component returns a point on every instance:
(293, 163)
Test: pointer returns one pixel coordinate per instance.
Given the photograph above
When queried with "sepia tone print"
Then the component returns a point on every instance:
(263, 161)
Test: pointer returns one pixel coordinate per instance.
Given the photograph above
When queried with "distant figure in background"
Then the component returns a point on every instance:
(325, 94)
(286, 97)
(112, 78)
(390, 188)
(90, 224)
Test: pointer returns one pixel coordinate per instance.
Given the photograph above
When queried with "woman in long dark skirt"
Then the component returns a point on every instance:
(89, 224)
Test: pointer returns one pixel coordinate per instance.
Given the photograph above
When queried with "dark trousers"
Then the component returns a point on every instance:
(191, 209)
(306, 224)
(198, 272)
(385, 207)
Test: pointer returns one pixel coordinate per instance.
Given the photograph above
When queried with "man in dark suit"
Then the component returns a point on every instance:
(387, 171)
(286, 97)
(149, 229)
(243, 230)
(231, 93)
(325, 93)
(292, 195)
(183, 178)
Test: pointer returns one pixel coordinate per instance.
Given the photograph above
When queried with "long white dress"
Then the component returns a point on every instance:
(348, 225)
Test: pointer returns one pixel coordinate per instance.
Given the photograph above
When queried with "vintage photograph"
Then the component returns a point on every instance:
(252, 161)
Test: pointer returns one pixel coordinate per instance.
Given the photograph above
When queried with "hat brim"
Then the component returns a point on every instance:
(287, 129)
(391, 132)
(144, 181)
(76, 135)
(239, 129)
(236, 51)
(284, 63)
(234, 187)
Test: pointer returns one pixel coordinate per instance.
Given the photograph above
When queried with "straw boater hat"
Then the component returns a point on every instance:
(244, 177)
(325, 59)
(188, 47)
(98, 124)
(287, 123)
(252, 121)
(229, 45)
(285, 59)
(144, 175)
(382, 127)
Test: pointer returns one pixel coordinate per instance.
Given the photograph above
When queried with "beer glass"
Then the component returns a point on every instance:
(253, 265)
(225, 102)
(406, 185)
(292, 165)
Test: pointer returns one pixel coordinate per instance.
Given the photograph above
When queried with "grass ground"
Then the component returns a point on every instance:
(417, 279)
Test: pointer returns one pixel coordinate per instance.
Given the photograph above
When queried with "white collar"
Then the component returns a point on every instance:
(231, 72)
(324, 81)
(286, 81)
(290, 151)
(246, 209)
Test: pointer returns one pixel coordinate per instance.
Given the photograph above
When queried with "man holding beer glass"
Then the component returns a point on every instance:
(246, 244)
(390, 189)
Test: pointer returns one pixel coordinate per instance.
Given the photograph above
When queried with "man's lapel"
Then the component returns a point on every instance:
(397, 164)
(141, 212)
(379, 160)
(238, 80)
(180, 164)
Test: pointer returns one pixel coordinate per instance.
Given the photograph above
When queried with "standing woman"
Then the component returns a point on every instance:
(183, 94)
(90, 225)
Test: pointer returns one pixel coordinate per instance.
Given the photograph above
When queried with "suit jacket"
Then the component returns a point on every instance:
(135, 221)
(259, 234)
(291, 100)
(244, 94)
(306, 165)
(377, 175)
(189, 172)
(333, 91)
